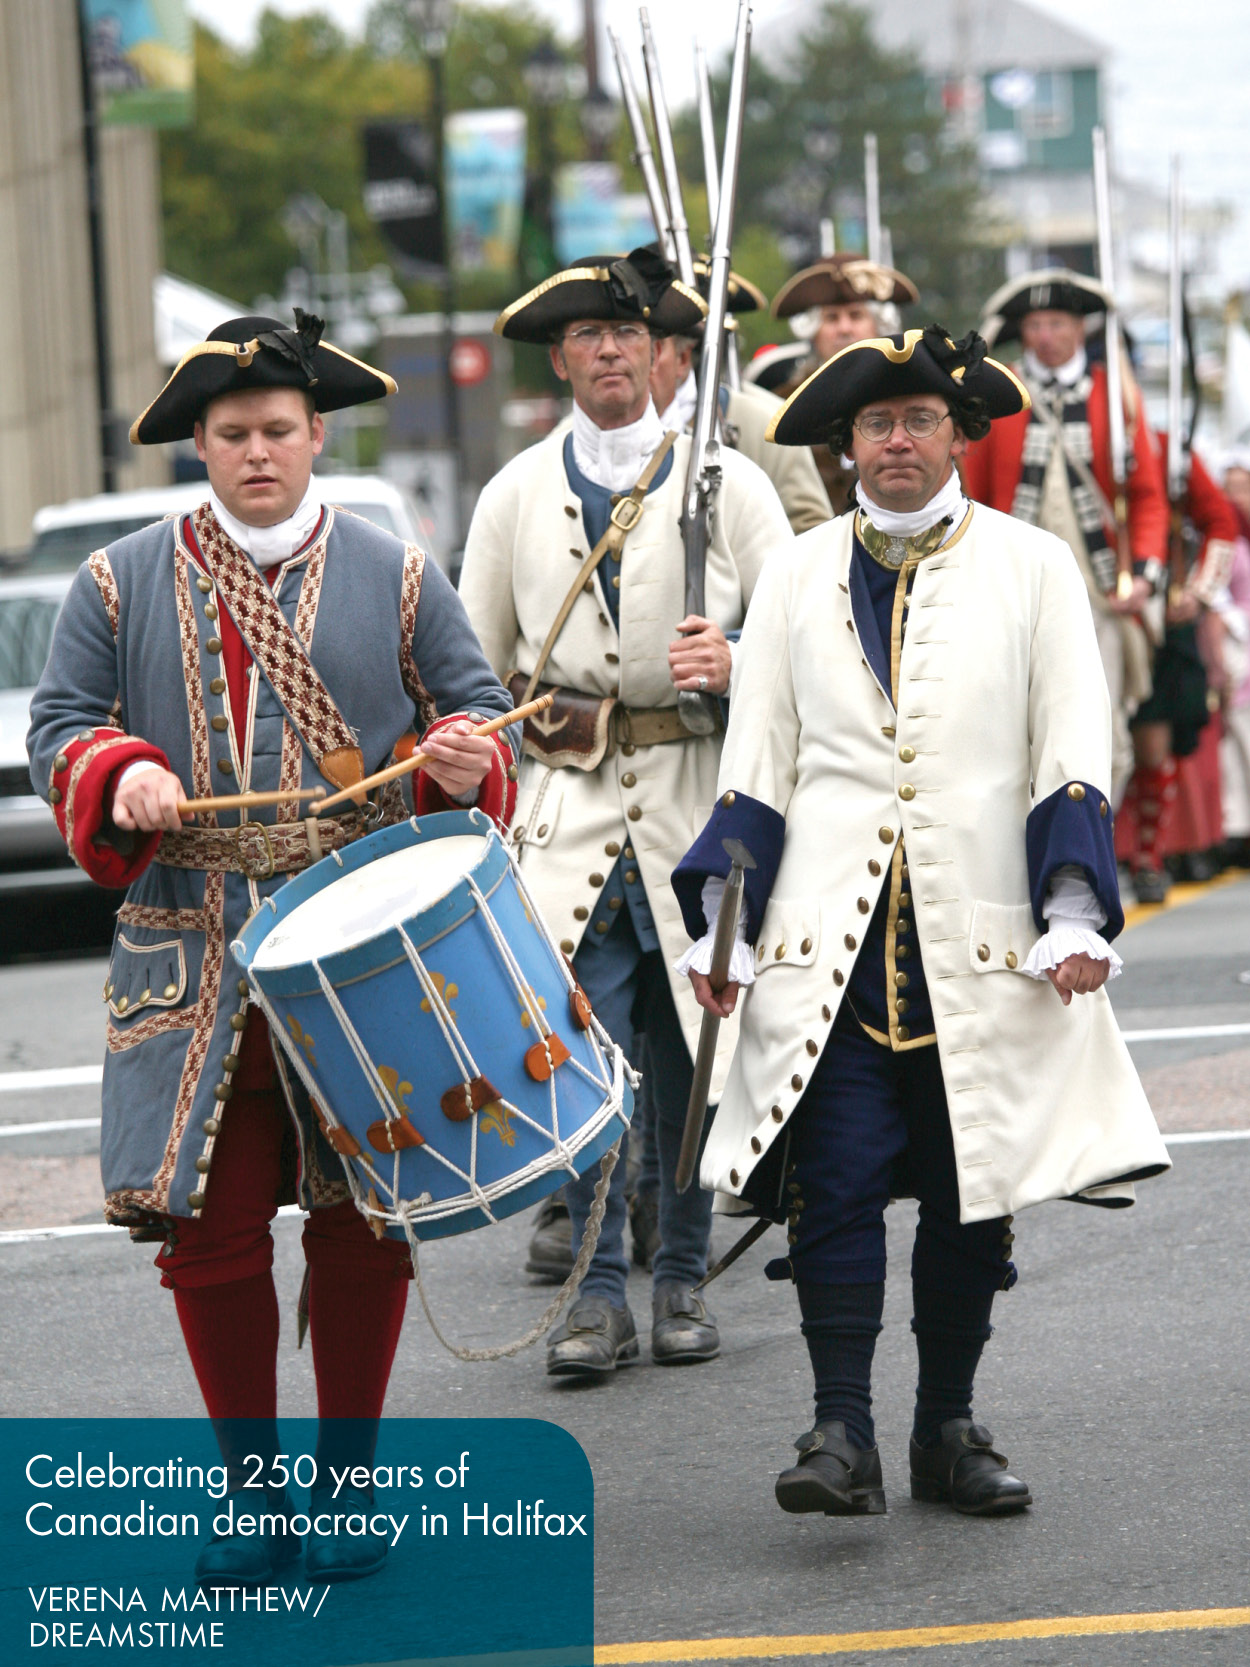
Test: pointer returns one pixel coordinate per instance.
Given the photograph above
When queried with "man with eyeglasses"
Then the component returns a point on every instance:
(918, 759)
(613, 786)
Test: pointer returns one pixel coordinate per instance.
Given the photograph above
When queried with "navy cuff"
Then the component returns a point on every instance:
(761, 829)
(1074, 828)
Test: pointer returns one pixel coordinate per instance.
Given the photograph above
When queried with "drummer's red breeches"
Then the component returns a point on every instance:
(220, 1268)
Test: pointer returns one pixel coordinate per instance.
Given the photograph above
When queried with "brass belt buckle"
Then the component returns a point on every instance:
(626, 515)
(246, 858)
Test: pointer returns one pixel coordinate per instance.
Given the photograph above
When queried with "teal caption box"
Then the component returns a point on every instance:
(489, 1526)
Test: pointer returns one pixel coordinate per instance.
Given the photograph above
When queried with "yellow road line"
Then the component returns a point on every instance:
(1184, 891)
(918, 1638)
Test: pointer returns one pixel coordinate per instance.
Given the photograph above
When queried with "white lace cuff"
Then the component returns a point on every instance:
(134, 769)
(1071, 897)
(698, 958)
(1068, 936)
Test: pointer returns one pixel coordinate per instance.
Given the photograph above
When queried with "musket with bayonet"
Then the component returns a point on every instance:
(1115, 371)
(678, 225)
(1178, 461)
(643, 154)
(711, 173)
(740, 859)
(698, 712)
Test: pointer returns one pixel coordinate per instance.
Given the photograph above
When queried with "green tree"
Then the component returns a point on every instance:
(803, 158)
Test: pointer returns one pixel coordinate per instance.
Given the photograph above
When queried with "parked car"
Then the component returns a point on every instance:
(32, 853)
(63, 535)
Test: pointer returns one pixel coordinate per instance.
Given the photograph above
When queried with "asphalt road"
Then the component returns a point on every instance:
(1117, 1378)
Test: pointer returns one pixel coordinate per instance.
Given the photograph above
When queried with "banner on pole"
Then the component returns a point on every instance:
(142, 61)
(485, 152)
(592, 212)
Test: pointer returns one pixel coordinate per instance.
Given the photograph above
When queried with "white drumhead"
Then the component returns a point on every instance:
(359, 905)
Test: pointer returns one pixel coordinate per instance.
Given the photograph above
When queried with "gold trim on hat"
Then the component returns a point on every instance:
(582, 274)
(869, 280)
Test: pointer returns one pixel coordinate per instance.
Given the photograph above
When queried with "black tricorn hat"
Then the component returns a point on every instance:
(638, 286)
(839, 281)
(917, 362)
(257, 352)
(1054, 289)
(741, 295)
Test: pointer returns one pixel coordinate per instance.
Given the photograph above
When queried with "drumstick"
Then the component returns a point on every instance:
(406, 766)
(245, 801)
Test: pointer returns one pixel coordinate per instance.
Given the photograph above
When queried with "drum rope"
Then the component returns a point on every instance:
(590, 1243)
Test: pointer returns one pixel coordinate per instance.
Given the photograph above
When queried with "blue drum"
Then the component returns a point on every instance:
(452, 1060)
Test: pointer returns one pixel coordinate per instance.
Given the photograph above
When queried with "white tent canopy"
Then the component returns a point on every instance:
(185, 314)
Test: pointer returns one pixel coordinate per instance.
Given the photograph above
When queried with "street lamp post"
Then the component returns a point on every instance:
(546, 81)
(431, 21)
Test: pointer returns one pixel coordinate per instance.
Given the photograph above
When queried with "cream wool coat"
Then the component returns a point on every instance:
(1002, 702)
(522, 553)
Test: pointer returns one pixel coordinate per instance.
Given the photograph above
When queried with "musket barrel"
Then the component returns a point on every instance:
(1115, 376)
(668, 156)
(1176, 345)
(872, 198)
(707, 132)
(643, 154)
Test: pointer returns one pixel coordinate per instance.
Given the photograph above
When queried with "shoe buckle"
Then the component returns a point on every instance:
(811, 1441)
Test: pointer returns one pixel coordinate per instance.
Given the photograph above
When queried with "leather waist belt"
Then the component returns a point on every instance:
(648, 726)
(258, 849)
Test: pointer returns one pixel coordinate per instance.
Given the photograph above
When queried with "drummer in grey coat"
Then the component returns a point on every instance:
(265, 641)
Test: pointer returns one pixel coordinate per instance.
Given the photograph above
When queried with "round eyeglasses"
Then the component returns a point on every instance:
(921, 425)
(591, 335)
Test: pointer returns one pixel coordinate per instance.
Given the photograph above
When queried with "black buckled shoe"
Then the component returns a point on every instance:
(832, 1476)
(594, 1340)
(1151, 885)
(550, 1255)
(344, 1551)
(249, 1559)
(966, 1472)
(682, 1331)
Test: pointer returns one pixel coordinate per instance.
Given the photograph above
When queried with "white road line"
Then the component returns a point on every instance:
(79, 1230)
(1200, 1137)
(47, 1128)
(1185, 1033)
(68, 1076)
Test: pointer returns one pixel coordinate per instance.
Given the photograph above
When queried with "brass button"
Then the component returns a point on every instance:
(874, 867)
(601, 926)
(728, 799)
(225, 766)
(196, 1200)
(629, 779)
(796, 1082)
(904, 900)
(616, 581)
(1102, 808)
(55, 795)
(838, 978)
(238, 1021)
(87, 735)
(204, 585)
(907, 754)
(902, 1004)
(542, 829)
(513, 772)
(217, 686)
(902, 925)
(60, 762)
(596, 879)
(863, 905)
(242, 987)
(171, 990)
(581, 912)
(631, 874)
(901, 980)
(886, 835)
(612, 659)
(1076, 791)
(219, 723)
(634, 813)
(203, 1165)
(850, 625)
(1013, 960)
(983, 952)
(811, 1047)
(733, 1177)
(223, 1091)
(779, 952)
(615, 902)
(755, 1144)
(888, 730)
(629, 853)
(903, 1033)
(145, 995)
(805, 948)
(612, 848)
(825, 1014)
(213, 645)
(849, 940)
(907, 791)
(518, 833)
(210, 611)
(628, 747)
(123, 1002)
(566, 946)
(901, 950)
(211, 1126)
(777, 1114)
(570, 512)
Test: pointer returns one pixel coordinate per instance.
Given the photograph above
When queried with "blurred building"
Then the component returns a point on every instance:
(49, 418)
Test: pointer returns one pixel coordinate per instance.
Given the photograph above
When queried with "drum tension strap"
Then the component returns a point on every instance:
(626, 514)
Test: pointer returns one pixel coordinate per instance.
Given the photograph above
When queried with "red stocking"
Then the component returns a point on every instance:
(354, 1315)
(1156, 807)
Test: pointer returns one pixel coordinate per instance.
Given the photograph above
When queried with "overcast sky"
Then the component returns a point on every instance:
(1180, 80)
